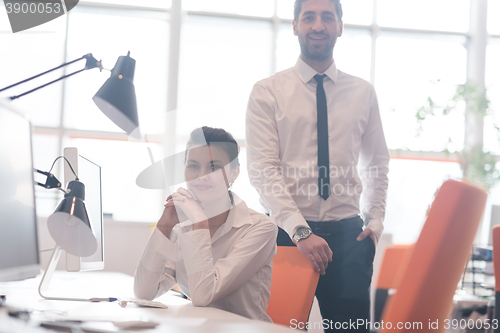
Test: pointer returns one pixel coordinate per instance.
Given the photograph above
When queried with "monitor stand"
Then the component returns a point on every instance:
(47, 277)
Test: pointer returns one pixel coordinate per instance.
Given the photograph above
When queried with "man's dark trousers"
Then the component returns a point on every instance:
(343, 293)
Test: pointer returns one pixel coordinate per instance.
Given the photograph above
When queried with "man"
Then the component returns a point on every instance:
(315, 146)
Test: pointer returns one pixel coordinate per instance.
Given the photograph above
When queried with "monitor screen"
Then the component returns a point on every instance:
(89, 174)
(19, 258)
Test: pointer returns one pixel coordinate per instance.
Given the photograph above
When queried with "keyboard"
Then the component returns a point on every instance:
(141, 302)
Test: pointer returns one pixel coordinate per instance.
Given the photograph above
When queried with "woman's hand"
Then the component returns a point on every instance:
(186, 203)
(169, 218)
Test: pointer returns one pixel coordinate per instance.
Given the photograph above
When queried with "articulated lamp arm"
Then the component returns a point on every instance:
(91, 63)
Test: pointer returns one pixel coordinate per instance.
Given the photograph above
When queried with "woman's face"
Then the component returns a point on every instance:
(208, 173)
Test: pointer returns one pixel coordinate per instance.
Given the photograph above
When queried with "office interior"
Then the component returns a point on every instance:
(197, 61)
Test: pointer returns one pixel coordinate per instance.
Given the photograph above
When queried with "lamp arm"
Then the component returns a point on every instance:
(41, 74)
(52, 181)
(91, 63)
(44, 85)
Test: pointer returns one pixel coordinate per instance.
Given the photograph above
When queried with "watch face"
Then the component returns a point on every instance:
(302, 233)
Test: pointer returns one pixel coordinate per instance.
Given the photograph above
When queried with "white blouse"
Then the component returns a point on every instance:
(231, 271)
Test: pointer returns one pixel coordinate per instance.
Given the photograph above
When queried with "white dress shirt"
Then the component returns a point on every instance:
(282, 148)
(231, 271)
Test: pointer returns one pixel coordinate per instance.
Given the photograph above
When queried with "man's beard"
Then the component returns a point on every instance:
(316, 54)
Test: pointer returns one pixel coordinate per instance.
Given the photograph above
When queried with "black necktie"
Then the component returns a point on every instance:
(323, 152)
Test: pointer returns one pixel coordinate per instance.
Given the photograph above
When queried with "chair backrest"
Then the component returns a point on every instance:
(495, 237)
(392, 264)
(436, 263)
(293, 287)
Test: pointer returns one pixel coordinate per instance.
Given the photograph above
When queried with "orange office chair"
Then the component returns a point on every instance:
(293, 287)
(436, 263)
(392, 263)
(496, 266)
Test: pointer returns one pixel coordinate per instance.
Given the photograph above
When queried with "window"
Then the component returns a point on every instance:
(250, 8)
(27, 54)
(220, 60)
(493, 22)
(407, 72)
(491, 136)
(411, 191)
(287, 47)
(353, 52)
(143, 3)
(112, 34)
(442, 15)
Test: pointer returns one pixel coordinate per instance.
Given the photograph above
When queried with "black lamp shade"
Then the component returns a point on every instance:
(116, 98)
(69, 225)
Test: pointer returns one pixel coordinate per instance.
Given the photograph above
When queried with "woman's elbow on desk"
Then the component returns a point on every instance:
(148, 285)
(143, 293)
(200, 298)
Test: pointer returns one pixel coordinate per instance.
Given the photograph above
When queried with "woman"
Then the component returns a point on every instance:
(208, 241)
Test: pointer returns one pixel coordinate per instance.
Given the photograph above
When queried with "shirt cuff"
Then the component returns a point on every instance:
(158, 251)
(377, 226)
(293, 222)
(196, 247)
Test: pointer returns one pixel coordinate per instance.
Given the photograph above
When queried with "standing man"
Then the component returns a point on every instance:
(316, 146)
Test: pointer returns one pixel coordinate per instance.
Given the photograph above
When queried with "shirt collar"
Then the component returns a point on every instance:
(238, 216)
(306, 72)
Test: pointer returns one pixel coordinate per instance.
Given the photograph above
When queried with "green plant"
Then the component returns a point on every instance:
(476, 164)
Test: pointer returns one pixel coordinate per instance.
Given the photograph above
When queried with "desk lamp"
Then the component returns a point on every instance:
(69, 225)
(116, 98)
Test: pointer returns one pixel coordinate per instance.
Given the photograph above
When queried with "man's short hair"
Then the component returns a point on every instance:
(298, 7)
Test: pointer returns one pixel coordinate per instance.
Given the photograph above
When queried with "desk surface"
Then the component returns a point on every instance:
(181, 316)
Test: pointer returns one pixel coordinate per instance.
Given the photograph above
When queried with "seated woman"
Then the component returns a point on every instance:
(208, 241)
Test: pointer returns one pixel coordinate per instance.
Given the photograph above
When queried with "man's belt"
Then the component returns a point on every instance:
(325, 228)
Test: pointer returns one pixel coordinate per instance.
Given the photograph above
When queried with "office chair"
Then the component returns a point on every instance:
(495, 236)
(293, 287)
(388, 278)
(436, 263)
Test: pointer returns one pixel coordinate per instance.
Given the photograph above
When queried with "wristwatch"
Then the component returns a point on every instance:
(300, 234)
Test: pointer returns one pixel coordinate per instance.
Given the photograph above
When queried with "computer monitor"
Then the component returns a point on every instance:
(19, 257)
(89, 174)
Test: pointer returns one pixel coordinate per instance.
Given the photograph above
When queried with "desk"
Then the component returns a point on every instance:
(181, 316)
